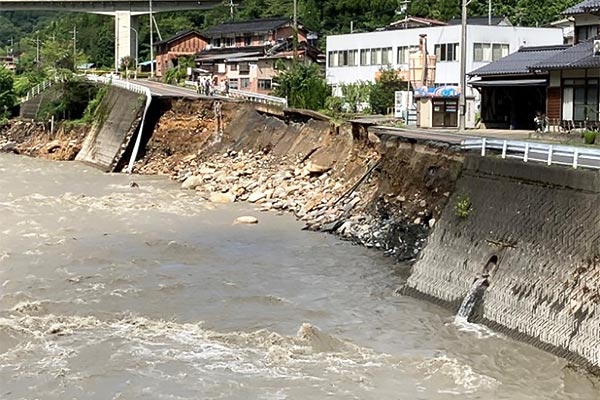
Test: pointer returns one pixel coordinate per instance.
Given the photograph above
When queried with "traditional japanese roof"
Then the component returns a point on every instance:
(483, 20)
(247, 27)
(585, 7)
(180, 35)
(575, 57)
(519, 62)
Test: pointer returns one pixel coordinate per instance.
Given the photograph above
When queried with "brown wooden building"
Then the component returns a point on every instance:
(186, 43)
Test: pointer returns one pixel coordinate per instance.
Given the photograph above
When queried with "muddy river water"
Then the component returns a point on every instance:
(115, 292)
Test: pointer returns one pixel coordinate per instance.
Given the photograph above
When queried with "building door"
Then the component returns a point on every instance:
(445, 113)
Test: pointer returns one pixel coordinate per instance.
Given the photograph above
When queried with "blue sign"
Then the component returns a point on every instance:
(442, 91)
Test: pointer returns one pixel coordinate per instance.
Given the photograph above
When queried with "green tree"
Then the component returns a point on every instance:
(356, 94)
(303, 85)
(7, 94)
(382, 94)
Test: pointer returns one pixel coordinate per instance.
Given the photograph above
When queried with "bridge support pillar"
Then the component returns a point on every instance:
(125, 37)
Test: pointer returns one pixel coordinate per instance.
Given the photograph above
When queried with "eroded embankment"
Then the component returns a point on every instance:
(335, 178)
(537, 231)
(38, 139)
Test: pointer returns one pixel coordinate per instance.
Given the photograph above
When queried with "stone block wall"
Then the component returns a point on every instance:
(119, 117)
(543, 225)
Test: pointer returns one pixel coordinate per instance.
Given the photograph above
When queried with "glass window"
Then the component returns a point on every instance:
(333, 59)
(244, 68)
(496, 51)
(446, 51)
(584, 103)
(365, 57)
(264, 84)
(245, 83)
(233, 84)
(386, 56)
(247, 40)
(233, 67)
(477, 52)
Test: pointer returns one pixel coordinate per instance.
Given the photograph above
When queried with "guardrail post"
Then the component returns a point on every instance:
(575, 157)
(526, 155)
(483, 147)
(504, 147)
(550, 149)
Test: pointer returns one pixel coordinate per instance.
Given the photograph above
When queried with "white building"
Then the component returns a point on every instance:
(359, 56)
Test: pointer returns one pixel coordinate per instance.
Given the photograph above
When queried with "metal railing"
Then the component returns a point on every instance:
(37, 89)
(258, 98)
(550, 154)
(248, 96)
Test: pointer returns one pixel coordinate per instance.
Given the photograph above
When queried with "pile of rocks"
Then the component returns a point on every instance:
(33, 139)
(309, 191)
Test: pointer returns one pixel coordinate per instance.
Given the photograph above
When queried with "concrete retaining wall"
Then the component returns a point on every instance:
(119, 116)
(543, 224)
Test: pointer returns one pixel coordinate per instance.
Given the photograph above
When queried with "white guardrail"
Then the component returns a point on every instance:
(132, 87)
(248, 96)
(37, 89)
(576, 157)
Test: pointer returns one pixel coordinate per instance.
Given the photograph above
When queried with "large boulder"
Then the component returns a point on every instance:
(192, 182)
(222, 198)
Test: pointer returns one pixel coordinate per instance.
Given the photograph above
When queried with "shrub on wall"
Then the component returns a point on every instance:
(589, 137)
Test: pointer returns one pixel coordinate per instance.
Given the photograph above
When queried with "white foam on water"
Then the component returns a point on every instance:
(461, 375)
(51, 342)
(481, 331)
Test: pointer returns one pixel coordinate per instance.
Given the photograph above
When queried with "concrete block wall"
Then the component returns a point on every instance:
(120, 115)
(543, 225)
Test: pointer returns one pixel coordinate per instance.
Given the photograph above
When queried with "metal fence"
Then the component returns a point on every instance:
(550, 154)
(248, 96)
(258, 98)
(36, 90)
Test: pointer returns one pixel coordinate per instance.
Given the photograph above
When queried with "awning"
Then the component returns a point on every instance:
(510, 82)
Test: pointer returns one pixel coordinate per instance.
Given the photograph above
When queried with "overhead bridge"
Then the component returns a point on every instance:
(126, 13)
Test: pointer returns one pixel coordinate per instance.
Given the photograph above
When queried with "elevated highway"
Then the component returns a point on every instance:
(126, 13)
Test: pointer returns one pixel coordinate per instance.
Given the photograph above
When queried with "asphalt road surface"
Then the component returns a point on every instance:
(164, 90)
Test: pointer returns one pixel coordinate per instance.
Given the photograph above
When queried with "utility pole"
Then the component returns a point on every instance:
(75, 48)
(462, 101)
(37, 48)
(136, 52)
(232, 6)
(295, 31)
(490, 12)
(151, 42)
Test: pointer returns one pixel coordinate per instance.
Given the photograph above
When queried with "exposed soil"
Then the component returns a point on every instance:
(335, 178)
(35, 139)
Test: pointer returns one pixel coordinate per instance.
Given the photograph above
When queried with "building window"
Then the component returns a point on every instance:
(244, 83)
(233, 84)
(375, 56)
(386, 56)
(333, 59)
(585, 32)
(580, 99)
(247, 40)
(365, 57)
(488, 52)
(446, 51)
(404, 53)
(216, 42)
(229, 42)
(244, 68)
(233, 67)
(264, 84)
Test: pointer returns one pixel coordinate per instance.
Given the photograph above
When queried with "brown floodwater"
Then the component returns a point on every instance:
(115, 292)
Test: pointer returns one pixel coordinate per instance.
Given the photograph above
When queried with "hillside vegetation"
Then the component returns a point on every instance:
(95, 33)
